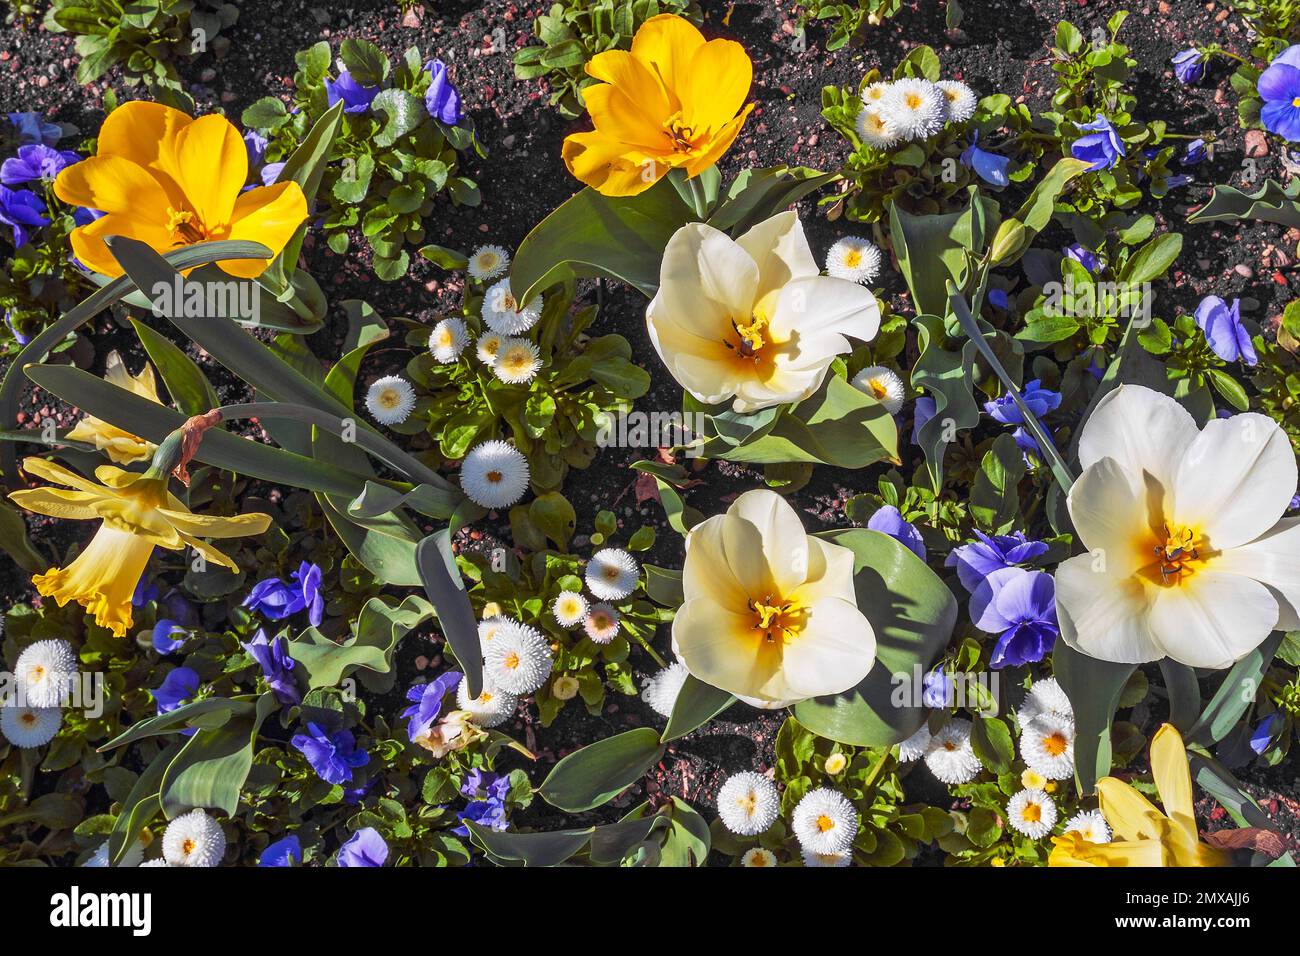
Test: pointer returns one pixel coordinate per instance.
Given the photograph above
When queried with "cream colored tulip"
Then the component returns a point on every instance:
(770, 613)
(752, 320)
(1189, 556)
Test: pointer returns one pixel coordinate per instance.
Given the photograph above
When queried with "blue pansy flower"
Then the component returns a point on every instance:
(889, 520)
(1189, 65)
(1279, 88)
(21, 210)
(976, 561)
(162, 638)
(1177, 181)
(178, 688)
(1221, 323)
(356, 98)
(1195, 152)
(271, 173)
(922, 412)
(37, 163)
(332, 755)
(275, 600)
(21, 337)
(1101, 147)
(936, 689)
(255, 144)
(1262, 736)
(365, 848)
(442, 99)
(487, 792)
(32, 128)
(1039, 400)
(277, 666)
(1084, 256)
(427, 706)
(999, 299)
(990, 167)
(1020, 607)
(285, 852)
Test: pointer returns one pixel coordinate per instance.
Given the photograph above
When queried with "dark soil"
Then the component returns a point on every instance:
(1001, 46)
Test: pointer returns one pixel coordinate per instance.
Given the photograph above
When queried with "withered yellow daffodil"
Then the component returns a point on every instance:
(121, 446)
(674, 101)
(169, 180)
(1144, 835)
(770, 612)
(138, 513)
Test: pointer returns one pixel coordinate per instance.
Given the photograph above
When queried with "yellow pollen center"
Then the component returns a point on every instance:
(488, 261)
(778, 619)
(390, 399)
(485, 698)
(1055, 744)
(748, 803)
(825, 823)
(512, 660)
(1179, 556)
(183, 223)
(683, 136)
(36, 673)
(1032, 813)
(494, 476)
(913, 101)
(508, 303)
(878, 389)
(1296, 101)
(188, 847)
(853, 258)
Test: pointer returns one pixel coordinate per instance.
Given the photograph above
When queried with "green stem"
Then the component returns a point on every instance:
(698, 198)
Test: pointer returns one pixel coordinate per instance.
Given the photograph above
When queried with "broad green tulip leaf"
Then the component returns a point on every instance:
(377, 630)
(188, 387)
(1270, 203)
(932, 249)
(945, 375)
(142, 804)
(385, 544)
(1235, 694)
(759, 194)
(1094, 688)
(1216, 780)
(606, 845)
(1184, 694)
(16, 544)
(212, 766)
(912, 613)
(209, 713)
(664, 585)
(598, 772)
(697, 703)
(443, 583)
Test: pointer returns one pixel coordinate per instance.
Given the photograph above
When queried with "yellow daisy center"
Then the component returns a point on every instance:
(389, 398)
(913, 101)
(1055, 744)
(29, 719)
(825, 823)
(511, 661)
(1032, 813)
(853, 258)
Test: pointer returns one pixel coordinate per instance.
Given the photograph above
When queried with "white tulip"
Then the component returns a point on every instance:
(752, 319)
(1189, 556)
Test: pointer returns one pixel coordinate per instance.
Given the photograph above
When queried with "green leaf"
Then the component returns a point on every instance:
(403, 112)
(1154, 259)
(185, 381)
(596, 773)
(932, 249)
(605, 845)
(209, 713)
(365, 61)
(15, 543)
(758, 194)
(995, 497)
(944, 374)
(1236, 693)
(1016, 234)
(1094, 688)
(376, 632)
(991, 740)
(442, 582)
(697, 703)
(912, 613)
(552, 514)
(212, 766)
(1270, 203)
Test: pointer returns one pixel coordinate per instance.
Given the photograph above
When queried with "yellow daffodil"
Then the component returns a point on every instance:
(1189, 556)
(770, 613)
(752, 319)
(673, 102)
(170, 180)
(1144, 836)
(121, 446)
(138, 513)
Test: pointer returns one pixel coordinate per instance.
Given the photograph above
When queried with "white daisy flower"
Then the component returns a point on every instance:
(518, 659)
(959, 100)
(748, 803)
(390, 400)
(874, 94)
(875, 128)
(134, 855)
(661, 690)
(757, 856)
(950, 756)
(1032, 813)
(882, 384)
(1091, 825)
(448, 339)
(914, 747)
(569, 609)
(612, 574)
(503, 314)
(855, 259)
(158, 862)
(488, 347)
(45, 673)
(494, 474)
(601, 623)
(1047, 745)
(1045, 696)
(488, 262)
(27, 727)
(194, 839)
(843, 858)
(824, 821)
(517, 362)
(491, 708)
(914, 108)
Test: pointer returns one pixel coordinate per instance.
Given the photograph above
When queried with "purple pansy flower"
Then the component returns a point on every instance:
(178, 687)
(21, 337)
(487, 793)
(365, 848)
(162, 639)
(1279, 87)
(356, 98)
(427, 706)
(1189, 67)
(22, 210)
(442, 99)
(1039, 400)
(255, 143)
(286, 852)
(922, 412)
(37, 162)
(333, 756)
(1101, 147)
(1084, 256)
(1195, 153)
(1177, 181)
(990, 167)
(277, 666)
(32, 129)
(936, 689)
(976, 561)
(275, 600)
(1020, 607)
(999, 299)
(889, 520)
(1221, 323)
(1262, 737)
(271, 172)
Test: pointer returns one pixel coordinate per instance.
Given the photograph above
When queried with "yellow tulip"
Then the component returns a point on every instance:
(137, 513)
(121, 446)
(1144, 835)
(673, 102)
(770, 613)
(169, 180)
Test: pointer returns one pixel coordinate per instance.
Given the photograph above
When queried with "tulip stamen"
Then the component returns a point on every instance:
(785, 619)
(184, 224)
(1176, 555)
(682, 136)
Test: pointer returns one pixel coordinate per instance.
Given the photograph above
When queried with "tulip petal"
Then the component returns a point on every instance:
(1143, 430)
(269, 215)
(1104, 615)
(607, 165)
(1235, 480)
(1211, 619)
(706, 573)
(667, 44)
(706, 282)
(1110, 516)
(212, 165)
(701, 159)
(142, 132)
(766, 545)
(92, 252)
(1131, 815)
(114, 185)
(637, 81)
(716, 85)
(616, 115)
(721, 648)
(834, 652)
(1274, 560)
(780, 249)
(821, 305)
(1174, 779)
